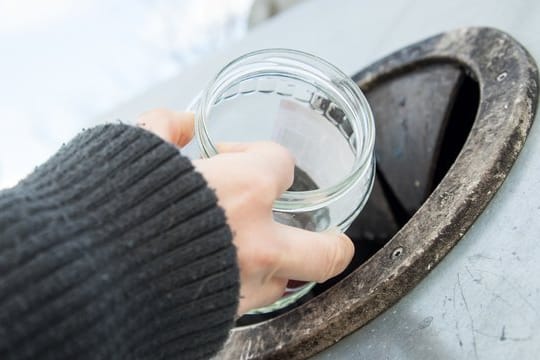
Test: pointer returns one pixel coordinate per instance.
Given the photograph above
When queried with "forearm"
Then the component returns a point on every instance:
(115, 248)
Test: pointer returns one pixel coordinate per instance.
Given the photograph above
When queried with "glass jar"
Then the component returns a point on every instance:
(313, 109)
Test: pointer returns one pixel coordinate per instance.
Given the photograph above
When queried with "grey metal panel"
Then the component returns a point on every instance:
(482, 301)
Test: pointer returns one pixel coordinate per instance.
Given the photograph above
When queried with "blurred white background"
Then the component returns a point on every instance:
(64, 62)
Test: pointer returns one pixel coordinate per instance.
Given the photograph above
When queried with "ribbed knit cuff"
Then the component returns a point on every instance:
(115, 249)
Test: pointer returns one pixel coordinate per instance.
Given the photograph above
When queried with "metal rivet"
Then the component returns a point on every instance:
(397, 253)
(502, 76)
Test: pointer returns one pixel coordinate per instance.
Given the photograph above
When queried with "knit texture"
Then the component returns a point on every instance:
(115, 248)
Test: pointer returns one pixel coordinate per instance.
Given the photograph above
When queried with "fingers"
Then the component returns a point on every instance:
(329, 254)
(174, 127)
(276, 161)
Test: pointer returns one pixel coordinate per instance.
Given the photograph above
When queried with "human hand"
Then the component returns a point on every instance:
(247, 178)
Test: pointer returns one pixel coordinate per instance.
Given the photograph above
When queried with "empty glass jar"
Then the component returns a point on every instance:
(316, 111)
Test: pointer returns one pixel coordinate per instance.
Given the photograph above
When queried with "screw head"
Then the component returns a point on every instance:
(397, 253)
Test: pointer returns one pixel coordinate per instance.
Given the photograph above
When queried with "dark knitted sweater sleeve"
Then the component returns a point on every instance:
(115, 248)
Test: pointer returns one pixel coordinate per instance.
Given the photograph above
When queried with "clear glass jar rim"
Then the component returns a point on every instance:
(291, 201)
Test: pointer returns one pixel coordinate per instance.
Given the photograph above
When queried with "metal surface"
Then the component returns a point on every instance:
(507, 107)
(480, 301)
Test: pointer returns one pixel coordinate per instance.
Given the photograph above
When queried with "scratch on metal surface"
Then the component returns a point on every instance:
(494, 294)
(504, 336)
(514, 287)
(473, 332)
(476, 280)
(457, 325)
(477, 257)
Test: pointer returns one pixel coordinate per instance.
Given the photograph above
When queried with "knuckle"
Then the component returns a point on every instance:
(285, 155)
(280, 152)
(285, 159)
(261, 186)
(259, 261)
(268, 259)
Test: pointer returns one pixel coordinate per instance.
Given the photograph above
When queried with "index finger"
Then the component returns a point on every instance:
(311, 256)
(277, 162)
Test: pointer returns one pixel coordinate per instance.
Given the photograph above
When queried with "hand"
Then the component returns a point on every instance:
(247, 178)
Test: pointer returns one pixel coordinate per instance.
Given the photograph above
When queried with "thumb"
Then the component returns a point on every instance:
(172, 126)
